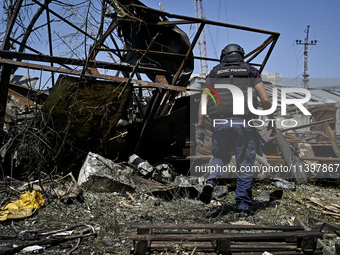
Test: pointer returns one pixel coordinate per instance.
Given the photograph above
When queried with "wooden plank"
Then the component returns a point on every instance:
(323, 247)
(263, 246)
(332, 139)
(274, 253)
(15, 102)
(337, 118)
(277, 159)
(335, 215)
(240, 246)
(328, 207)
(292, 138)
(229, 236)
(223, 247)
(260, 244)
(276, 162)
(336, 205)
(215, 227)
(269, 157)
(308, 244)
(327, 226)
(162, 245)
(290, 157)
(142, 246)
(206, 248)
(321, 159)
(280, 253)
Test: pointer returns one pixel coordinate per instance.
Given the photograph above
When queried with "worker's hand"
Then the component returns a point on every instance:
(201, 134)
(272, 126)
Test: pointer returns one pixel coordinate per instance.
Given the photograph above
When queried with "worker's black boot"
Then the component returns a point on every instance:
(207, 191)
(243, 215)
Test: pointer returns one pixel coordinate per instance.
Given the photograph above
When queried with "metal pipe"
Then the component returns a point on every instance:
(63, 19)
(209, 22)
(6, 69)
(192, 45)
(78, 62)
(50, 40)
(93, 75)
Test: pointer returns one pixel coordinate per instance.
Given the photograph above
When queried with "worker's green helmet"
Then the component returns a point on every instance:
(232, 48)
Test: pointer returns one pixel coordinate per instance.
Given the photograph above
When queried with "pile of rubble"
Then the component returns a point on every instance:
(99, 174)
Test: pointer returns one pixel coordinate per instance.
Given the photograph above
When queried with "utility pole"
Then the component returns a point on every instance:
(306, 43)
(202, 45)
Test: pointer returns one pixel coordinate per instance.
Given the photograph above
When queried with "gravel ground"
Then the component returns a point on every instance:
(108, 215)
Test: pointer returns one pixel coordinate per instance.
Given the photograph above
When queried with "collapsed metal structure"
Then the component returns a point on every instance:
(152, 44)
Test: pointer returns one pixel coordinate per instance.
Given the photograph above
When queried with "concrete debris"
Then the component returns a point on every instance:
(187, 186)
(182, 181)
(143, 167)
(164, 173)
(267, 253)
(267, 196)
(194, 185)
(188, 181)
(220, 191)
(103, 175)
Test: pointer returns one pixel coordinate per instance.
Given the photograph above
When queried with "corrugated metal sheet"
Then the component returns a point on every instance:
(319, 96)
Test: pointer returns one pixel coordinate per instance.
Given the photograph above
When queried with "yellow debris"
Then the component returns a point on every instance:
(29, 202)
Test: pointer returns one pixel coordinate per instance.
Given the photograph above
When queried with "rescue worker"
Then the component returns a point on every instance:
(233, 133)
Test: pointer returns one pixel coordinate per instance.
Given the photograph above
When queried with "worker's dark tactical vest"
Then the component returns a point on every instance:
(235, 73)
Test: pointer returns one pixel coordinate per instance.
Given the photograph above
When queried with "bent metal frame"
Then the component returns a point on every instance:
(53, 64)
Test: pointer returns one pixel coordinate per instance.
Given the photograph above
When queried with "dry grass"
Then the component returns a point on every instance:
(110, 214)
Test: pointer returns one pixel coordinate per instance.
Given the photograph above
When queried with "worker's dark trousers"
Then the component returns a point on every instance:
(240, 138)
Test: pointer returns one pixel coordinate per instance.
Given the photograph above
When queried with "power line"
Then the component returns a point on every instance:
(306, 43)
(202, 45)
